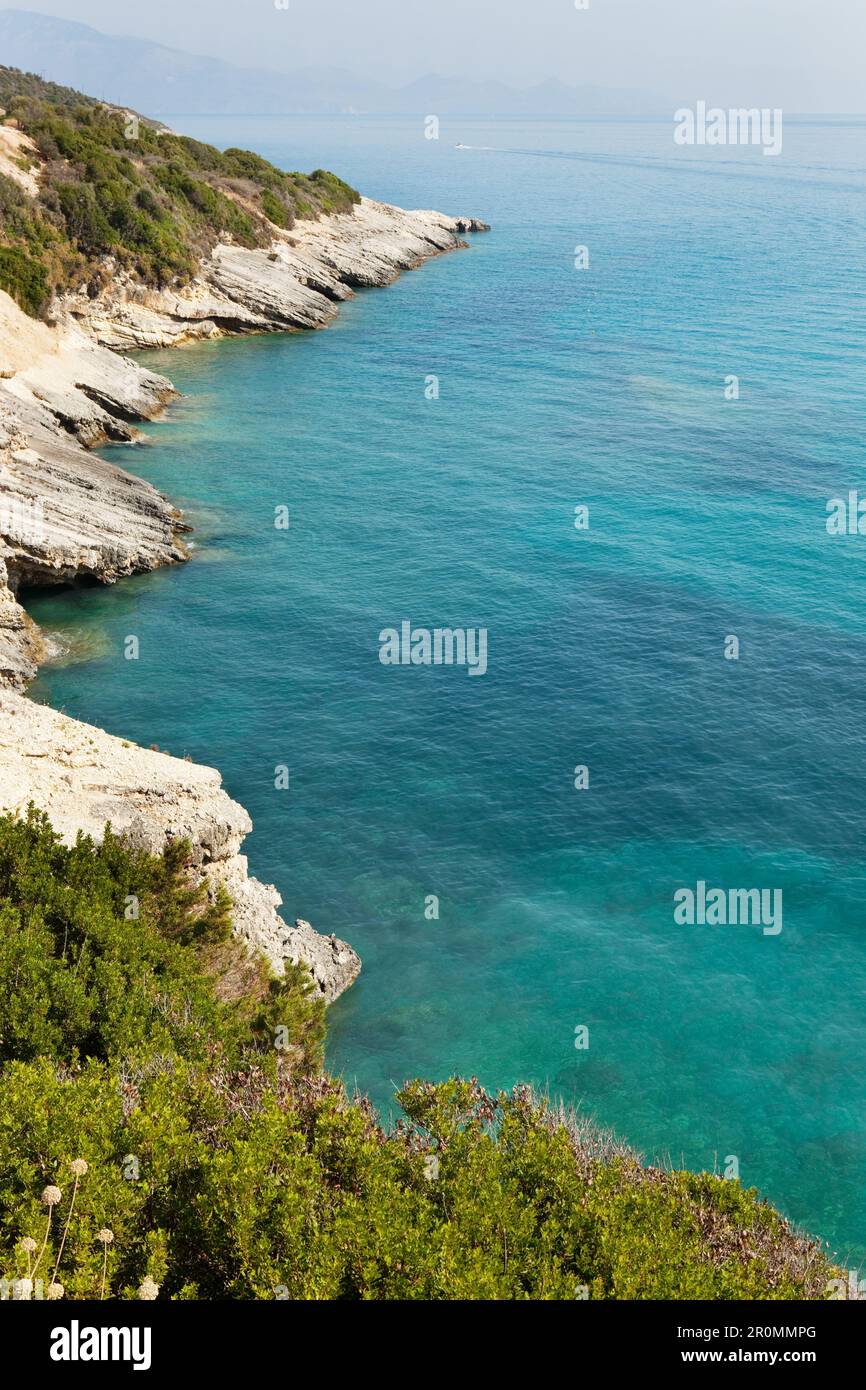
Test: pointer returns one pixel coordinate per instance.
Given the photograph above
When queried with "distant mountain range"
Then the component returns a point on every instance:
(157, 80)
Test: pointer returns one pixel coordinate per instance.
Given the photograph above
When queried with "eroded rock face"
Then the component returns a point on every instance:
(65, 386)
(299, 282)
(66, 514)
(21, 647)
(83, 777)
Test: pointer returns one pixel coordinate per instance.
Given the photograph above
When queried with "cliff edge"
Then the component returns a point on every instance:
(158, 240)
(83, 778)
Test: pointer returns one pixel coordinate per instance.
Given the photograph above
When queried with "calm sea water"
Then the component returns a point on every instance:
(558, 387)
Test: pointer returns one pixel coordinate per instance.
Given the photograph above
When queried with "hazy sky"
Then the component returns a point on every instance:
(800, 54)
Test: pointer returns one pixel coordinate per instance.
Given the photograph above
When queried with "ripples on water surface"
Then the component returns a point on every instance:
(707, 518)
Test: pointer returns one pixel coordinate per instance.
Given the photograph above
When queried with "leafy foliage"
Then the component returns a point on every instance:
(116, 189)
(24, 278)
(220, 1165)
(101, 956)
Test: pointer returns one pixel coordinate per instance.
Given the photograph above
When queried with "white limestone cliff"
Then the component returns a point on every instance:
(66, 514)
(84, 778)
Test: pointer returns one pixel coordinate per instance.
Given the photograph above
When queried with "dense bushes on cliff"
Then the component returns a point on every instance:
(112, 185)
(25, 278)
(164, 1122)
(108, 952)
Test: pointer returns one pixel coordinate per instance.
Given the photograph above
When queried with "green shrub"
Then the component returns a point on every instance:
(154, 1073)
(101, 957)
(227, 1183)
(276, 210)
(24, 278)
(156, 203)
(86, 223)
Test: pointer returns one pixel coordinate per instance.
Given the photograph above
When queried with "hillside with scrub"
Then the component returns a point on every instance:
(167, 1130)
(87, 189)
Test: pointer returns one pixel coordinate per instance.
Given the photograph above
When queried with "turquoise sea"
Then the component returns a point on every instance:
(559, 387)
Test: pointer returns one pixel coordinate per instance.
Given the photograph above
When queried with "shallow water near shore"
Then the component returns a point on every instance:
(557, 388)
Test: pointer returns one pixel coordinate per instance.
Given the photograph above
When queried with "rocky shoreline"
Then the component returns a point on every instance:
(66, 514)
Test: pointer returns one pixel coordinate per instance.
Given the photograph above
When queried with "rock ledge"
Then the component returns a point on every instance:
(66, 515)
(82, 777)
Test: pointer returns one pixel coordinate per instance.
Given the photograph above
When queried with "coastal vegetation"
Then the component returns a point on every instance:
(167, 1129)
(167, 1126)
(115, 191)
